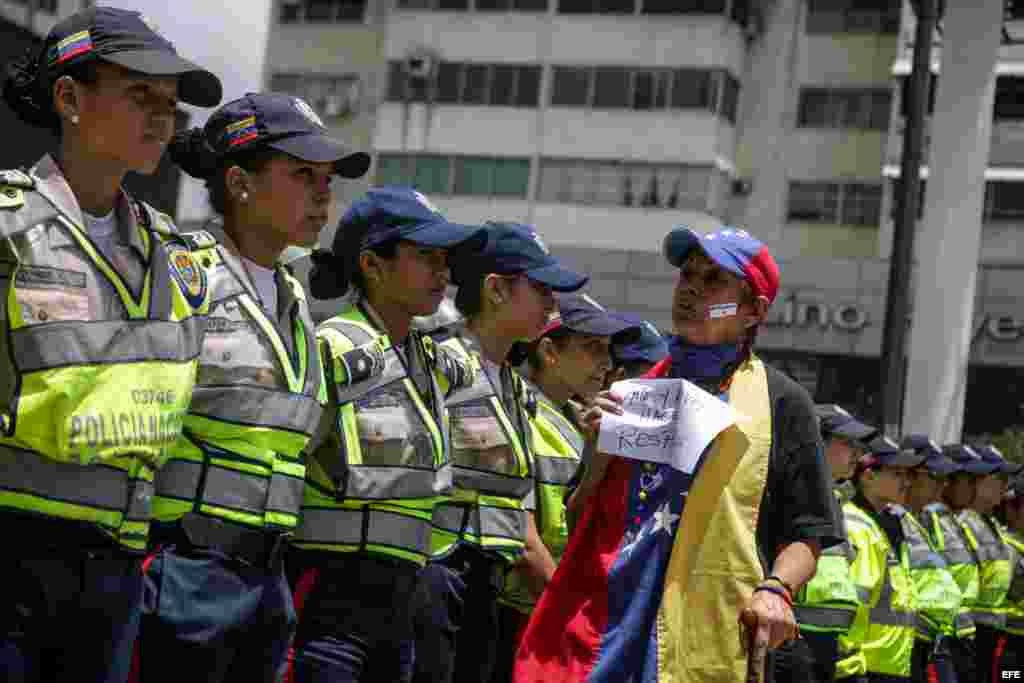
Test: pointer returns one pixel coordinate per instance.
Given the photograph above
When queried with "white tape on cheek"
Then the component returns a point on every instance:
(716, 311)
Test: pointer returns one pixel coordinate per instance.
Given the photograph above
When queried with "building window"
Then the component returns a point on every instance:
(597, 6)
(618, 183)
(322, 11)
(478, 5)
(1009, 104)
(499, 85)
(828, 108)
(607, 87)
(834, 202)
(1004, 201)
(683, 6)
(474, 176)
(330, 96)
(853, 16)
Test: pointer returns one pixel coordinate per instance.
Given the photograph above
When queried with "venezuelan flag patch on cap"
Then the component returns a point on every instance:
(242, 131)
(72, 46)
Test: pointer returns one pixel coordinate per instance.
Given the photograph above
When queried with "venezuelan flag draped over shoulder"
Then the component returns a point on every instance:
(651, 584)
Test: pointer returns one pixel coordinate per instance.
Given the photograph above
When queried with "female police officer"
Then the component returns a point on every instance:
(231, 493)
(371, 488)
(505, 293)
(100, 341)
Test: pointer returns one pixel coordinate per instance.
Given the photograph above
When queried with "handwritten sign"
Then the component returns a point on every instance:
(667, 421)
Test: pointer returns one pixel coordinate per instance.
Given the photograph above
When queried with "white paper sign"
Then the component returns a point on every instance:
(667, 421)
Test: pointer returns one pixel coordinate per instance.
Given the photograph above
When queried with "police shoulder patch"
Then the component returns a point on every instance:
(189, 275)
(17, 178)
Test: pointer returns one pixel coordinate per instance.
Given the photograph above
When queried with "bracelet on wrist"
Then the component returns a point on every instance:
(781, 592)
(782, 583)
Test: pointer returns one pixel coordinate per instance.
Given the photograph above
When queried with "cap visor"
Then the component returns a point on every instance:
(628, 354)
(858, 431)
(902, 459)
(1010, 468)
(445, 235)
(196, 85)
(558, 278)
(322, 149)
(978, 467)
(604, 325)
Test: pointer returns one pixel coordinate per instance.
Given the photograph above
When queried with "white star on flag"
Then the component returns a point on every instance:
(664, 518)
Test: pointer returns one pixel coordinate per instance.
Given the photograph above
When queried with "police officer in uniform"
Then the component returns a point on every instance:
(825, 607)
(102, 320)
(1009, 653)
(506, 295)
(635, 357)
(569, 359)
(229, 498)
(372, 486)
(883, 628)
(939, 598)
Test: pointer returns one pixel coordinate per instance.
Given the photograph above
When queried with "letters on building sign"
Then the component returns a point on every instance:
(791, 312)
(1004, 328)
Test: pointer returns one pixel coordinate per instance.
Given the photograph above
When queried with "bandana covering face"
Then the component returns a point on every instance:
(702, 365)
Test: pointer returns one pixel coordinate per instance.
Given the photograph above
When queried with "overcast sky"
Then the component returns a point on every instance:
(228, 37)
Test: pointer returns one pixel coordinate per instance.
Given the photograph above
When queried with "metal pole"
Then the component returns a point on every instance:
(897, 302)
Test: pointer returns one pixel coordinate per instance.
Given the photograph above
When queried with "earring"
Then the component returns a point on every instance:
(245, 196)
(74, 119)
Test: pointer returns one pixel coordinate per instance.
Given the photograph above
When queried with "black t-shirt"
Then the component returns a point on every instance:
(798, 503)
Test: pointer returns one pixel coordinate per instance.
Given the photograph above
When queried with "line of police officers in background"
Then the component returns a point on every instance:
(183, 455)
(930, 584)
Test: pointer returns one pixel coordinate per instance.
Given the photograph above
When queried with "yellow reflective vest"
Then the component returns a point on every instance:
(828, 602)
(491, 469)
(257, 403)
(986, 542)
(948, 539)
(556, 450)
(373, 483)
(1015, 597)
(883, 629)
(99, 359)
(937, 596)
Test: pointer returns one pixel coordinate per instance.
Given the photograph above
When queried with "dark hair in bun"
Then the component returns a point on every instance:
(329, 277)
(30, 97)
(191, 151)
(335, 271)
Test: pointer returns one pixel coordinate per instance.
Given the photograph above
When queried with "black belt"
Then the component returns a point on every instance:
(256, 547)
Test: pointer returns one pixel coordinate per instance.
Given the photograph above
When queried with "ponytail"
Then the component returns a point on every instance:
(30, 96)
(190, 150)
(330, 276)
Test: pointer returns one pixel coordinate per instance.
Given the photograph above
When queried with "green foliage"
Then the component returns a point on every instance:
(1010, 442)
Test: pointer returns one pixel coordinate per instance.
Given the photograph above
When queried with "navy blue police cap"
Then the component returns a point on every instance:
(513, 249)
(129, 39)
(285, 123)
(835, 421)
(992, 455)
(649, 347)
(884, 451)
(968, 460)
(579, 313)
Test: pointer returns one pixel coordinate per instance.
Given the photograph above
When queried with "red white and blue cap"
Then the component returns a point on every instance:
(733, 249)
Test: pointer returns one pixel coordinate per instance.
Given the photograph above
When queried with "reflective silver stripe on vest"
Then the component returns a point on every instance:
(844, 550)
(481, 521)
(345, 527)
(924, 628)
(824, 617)
(963, 622)
(990, 547)
(230, 489)
(990, 619)
(54, 345)
(883, 613)
(554, 470)
(863, 595)
(492, 483)
(958, 555)
(858, 517)
(249, 405)
(920, 553)
(366, 482)
(95, 486)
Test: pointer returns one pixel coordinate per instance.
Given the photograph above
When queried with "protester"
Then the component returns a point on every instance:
(102, 322)
(373, 483)
(638, 596)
